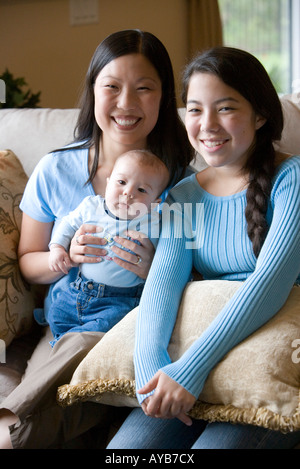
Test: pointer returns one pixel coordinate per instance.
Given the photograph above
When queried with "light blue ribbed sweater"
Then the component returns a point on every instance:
(223, 251)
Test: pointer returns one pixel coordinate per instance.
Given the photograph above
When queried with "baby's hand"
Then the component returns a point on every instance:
(59, 260)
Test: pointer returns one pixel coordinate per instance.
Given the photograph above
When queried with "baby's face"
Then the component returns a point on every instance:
(132, 188)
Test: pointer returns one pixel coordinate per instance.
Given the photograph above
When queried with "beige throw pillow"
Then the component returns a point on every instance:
(16, 299)
(256, 383)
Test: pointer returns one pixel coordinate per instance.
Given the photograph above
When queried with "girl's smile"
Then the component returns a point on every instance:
(220, 122)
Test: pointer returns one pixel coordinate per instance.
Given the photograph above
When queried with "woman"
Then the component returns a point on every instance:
(128, 103)
(251, 233)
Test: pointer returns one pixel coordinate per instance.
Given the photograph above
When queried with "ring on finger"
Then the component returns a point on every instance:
(139, 260)
(77, 240)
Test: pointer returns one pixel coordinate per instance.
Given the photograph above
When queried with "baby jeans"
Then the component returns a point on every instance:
(91, 306)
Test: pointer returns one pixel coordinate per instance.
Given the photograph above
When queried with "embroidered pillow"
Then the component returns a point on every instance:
(16, 298)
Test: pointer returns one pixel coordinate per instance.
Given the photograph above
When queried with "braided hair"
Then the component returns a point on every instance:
(243, 72)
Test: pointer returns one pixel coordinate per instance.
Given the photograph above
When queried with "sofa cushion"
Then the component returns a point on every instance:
(32, 133)
(16, 358)
(256, 383)
(16, 297)
(290, 139)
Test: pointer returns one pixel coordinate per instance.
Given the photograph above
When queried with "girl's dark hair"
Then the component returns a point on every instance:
(168, 139)
(243, 72)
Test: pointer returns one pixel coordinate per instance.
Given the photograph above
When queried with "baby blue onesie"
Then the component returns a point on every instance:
(93, 210)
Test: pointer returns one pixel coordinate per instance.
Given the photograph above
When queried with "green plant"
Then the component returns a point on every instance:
(16, 97)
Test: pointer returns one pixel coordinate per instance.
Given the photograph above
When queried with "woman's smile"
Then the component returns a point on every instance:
(126, 122)
(127, 100)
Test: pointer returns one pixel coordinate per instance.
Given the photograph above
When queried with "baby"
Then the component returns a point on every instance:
(103, 293)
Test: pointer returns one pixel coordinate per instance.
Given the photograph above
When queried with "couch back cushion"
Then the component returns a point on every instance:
(32, 133)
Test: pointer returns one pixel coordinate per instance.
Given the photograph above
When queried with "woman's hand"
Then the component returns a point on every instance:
(169, 400)
(137, 261)
(140, 261)
(80, 252)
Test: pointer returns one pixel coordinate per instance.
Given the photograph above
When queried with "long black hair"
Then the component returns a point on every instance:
(244, 72)
(168, 139)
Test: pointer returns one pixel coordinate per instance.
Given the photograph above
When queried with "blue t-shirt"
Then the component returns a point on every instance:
(57, 186)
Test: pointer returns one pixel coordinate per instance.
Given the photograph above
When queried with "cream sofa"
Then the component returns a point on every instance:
(30, 134)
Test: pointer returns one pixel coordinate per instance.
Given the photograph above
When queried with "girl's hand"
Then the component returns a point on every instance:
(169, 400)
(141, 260)
(80, 252)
